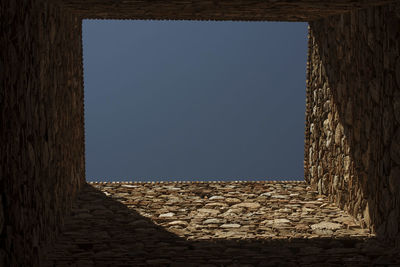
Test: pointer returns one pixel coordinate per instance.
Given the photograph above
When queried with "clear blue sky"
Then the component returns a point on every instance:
(194, 100)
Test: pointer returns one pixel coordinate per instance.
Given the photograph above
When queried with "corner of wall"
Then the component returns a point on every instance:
(354, 115)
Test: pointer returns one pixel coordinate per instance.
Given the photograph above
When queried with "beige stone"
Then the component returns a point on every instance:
(231, 200)
(230, 225)
(209, 211)
(247, 205)
(209, 221)
(167, 215)
(178, 223)
(326, 225)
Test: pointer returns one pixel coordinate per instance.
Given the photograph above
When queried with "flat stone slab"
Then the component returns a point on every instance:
(212, 224)
(326, 225)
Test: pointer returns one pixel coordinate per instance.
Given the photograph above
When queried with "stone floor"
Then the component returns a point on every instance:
(212, 224)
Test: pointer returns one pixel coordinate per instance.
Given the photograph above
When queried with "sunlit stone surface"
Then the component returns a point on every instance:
(219, 224)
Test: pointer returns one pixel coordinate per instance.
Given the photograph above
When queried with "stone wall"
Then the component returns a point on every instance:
(353, 115)
(41, 125)
(272, 10)
(259, 223)
(353, 106)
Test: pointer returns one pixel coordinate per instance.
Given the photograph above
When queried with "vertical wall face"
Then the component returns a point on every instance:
(353, 115)
(41, 126)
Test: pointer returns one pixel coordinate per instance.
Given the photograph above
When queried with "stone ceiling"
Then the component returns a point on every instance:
(256, 10)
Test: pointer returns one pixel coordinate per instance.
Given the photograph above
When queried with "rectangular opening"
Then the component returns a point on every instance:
(194, 100)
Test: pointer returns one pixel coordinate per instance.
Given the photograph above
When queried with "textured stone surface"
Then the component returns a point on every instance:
(353, 98)
(351, 135)
(115, 225)
(41, 125)
(274, 10)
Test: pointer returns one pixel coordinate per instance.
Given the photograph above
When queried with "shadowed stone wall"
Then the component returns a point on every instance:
(272, 10)
(353, 115)
(41, 125)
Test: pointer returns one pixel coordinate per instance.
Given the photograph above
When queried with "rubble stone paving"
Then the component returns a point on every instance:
(267, 223)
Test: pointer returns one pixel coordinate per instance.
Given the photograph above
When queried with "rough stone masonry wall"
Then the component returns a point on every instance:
(353, 115)
(258, 10)
(41, 125)
(41, 106)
